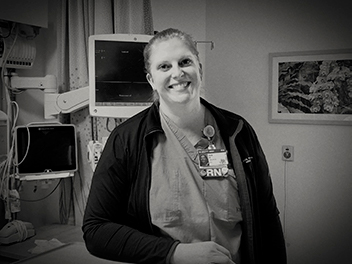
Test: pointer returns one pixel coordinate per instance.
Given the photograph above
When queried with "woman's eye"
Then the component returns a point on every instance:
(164, 67)
(185, 62)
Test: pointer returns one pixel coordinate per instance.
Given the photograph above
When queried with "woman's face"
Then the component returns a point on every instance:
(203, 159)
(175, 72)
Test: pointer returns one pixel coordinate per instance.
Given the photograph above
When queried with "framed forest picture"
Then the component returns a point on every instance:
(311, 87)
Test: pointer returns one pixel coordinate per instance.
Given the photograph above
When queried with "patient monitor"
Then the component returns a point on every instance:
(45, 151)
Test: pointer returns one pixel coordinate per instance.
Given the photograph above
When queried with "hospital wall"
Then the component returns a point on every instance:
(314, 191)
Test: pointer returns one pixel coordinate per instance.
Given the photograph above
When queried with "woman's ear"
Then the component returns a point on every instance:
(150, 80)
(201, 71)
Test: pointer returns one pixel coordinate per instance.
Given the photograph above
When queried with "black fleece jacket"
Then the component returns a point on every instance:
(117, 223)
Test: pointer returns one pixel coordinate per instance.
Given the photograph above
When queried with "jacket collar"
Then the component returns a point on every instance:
(226, 121)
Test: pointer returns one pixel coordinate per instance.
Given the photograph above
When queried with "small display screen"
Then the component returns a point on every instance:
(46, 149)
(120, 78)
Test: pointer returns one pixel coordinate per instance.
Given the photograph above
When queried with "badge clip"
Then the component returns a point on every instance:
(209, 133)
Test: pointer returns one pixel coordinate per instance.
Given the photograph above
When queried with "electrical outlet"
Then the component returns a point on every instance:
(287, 153)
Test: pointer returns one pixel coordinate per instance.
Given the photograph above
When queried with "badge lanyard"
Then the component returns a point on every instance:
(213, 162)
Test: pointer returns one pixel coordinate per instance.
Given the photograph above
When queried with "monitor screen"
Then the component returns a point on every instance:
(46, 151)
(117, 81)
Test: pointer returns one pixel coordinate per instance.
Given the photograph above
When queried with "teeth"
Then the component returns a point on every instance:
(179, 85)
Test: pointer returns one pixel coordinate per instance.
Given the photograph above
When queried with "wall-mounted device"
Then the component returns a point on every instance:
(20, 21)
(47, 83)
(34, 12)
(22, 55)
(45, 151)
(117, 81)
(287, 153)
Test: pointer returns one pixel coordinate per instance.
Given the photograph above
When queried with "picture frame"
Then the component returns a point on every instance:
(311, 87)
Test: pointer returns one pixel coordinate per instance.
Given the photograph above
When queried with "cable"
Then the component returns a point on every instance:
(116, 123)
(40, 199)
(64, 210)
(29, 137)
(7, 165)
(83, 193)
(9, 103)
(285, 200)
(27, 148)
(21, 229)
(14, 231)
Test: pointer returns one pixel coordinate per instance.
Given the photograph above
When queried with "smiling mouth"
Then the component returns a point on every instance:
(180, 85)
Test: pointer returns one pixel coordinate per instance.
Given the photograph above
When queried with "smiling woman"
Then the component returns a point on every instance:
(150, 200)
(175, 75)
(174, 70)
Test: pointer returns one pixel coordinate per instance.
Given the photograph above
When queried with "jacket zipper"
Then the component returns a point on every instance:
(149, 178)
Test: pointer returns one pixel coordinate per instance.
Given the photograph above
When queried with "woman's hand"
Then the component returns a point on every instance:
(201, 253)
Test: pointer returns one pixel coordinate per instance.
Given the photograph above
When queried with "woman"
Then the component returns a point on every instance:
(151, 201)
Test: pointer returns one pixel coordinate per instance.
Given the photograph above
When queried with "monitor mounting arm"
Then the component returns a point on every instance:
(65, 103)
(47, 83)
(54, 103)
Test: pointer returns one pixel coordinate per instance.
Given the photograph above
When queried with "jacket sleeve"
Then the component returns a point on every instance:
(269, 230)
(109, 232)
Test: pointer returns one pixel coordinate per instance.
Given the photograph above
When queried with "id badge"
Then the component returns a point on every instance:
(213, 163)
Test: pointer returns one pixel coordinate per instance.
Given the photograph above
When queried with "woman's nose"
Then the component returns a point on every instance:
(177, 72)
